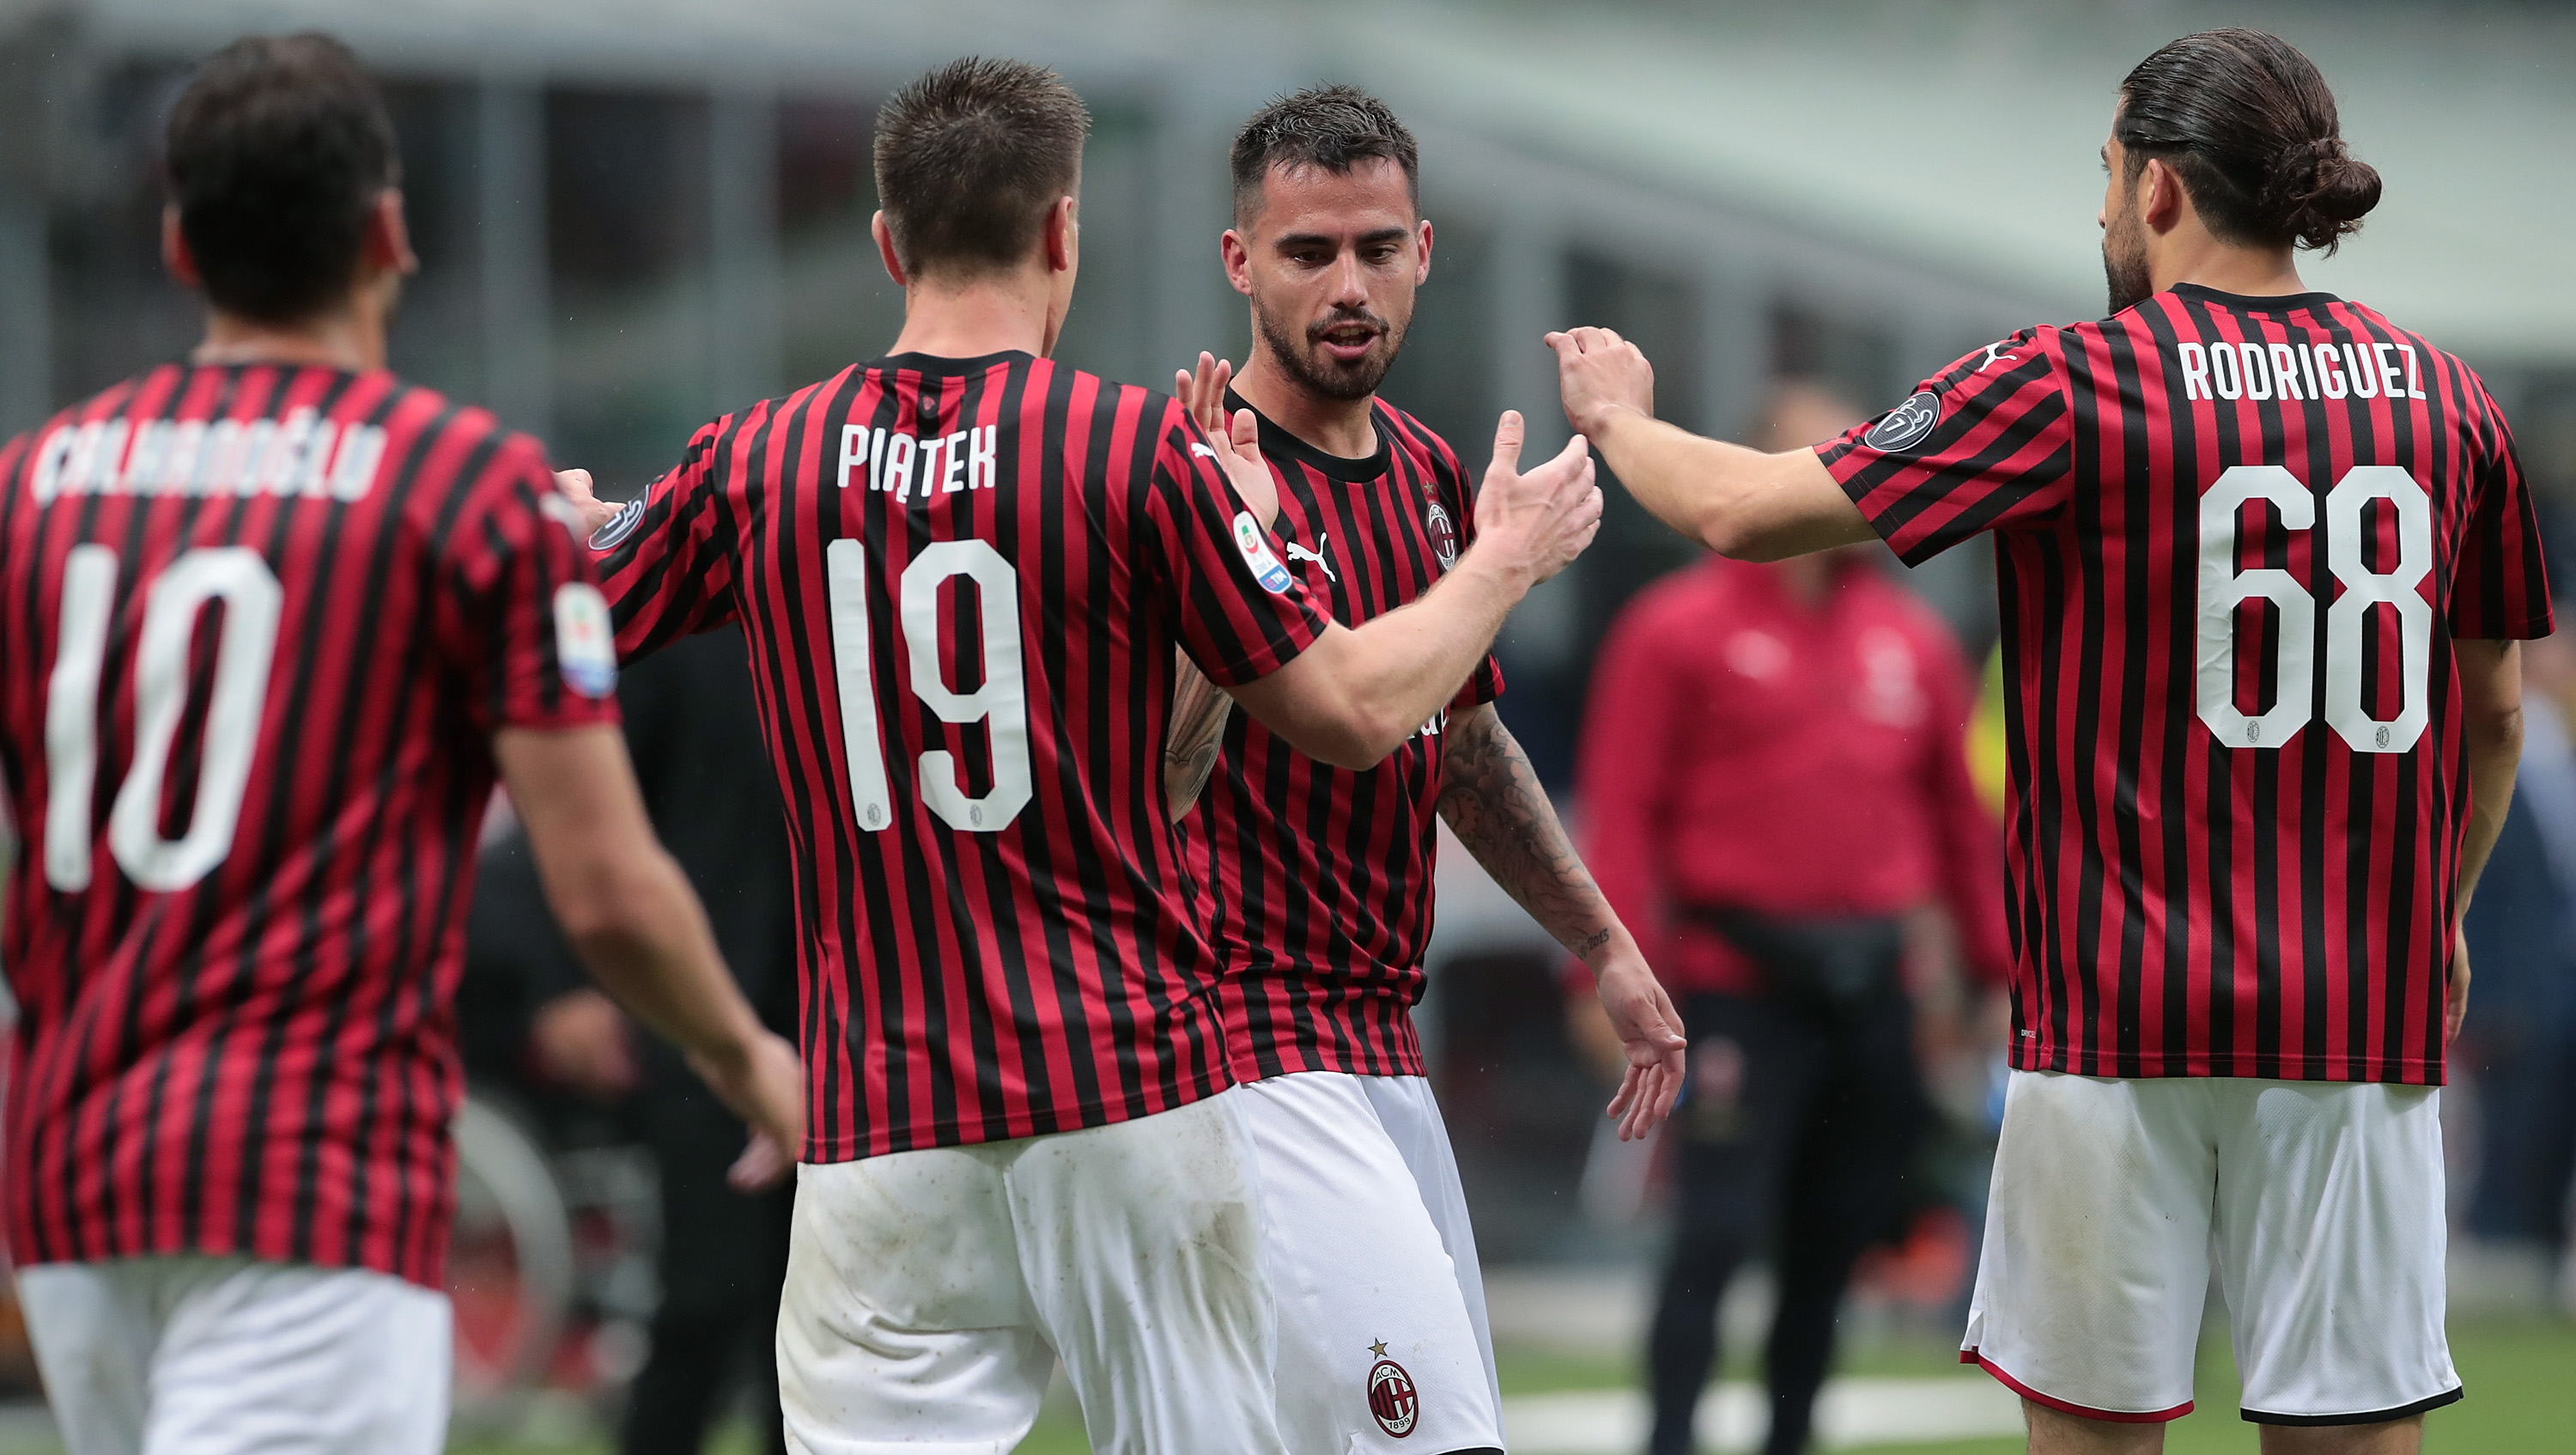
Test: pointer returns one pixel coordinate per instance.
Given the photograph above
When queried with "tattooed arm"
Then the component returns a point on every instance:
(1493, 801)
(1200, 710)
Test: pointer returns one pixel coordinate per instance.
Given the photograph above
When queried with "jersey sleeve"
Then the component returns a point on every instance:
(1458, 500)
(526, 627)
(2500, 585)
(665, 561)
(1986, 444)
(1236, 608)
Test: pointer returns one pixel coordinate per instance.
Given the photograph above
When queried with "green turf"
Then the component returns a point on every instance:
(2521, 1379)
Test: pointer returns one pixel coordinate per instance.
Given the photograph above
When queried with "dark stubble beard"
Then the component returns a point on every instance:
(1300, 359)
(2124, 262)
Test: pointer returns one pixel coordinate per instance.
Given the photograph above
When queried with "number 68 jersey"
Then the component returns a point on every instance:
(961, 584)
(2236, 539)
(257, 626)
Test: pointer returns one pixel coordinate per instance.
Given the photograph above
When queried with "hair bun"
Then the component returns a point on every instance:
(2322, 191)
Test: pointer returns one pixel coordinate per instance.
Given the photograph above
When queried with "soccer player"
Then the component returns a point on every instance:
(1318, 877)
(963, 572)
(2264, 560)
(269, 619)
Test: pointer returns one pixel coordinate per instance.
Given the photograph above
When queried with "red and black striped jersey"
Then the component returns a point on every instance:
(962, 582)
(257, 627)
(1318, 879)
(2236, 540)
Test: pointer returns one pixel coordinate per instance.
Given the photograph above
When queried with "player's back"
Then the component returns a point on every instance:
(962, 582)
(257, 623)
(2237, 540)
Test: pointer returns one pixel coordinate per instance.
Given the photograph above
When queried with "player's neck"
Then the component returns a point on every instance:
(350, 337)
(2225, 268)
(1342, 428)
(988, 316)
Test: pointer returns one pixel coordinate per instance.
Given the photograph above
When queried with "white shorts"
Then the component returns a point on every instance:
(930, 1292)
(1382, 1339)
(2319, 1203)
(190, 1355)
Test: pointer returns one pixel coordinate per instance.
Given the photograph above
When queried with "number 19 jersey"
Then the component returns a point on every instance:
(962, 583)
(257, 627)
(2236, 539)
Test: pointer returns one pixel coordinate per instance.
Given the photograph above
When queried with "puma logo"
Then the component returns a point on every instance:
(1297, 552)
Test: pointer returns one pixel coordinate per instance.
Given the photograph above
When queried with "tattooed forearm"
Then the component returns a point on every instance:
(1199, 712)
(1494, 802)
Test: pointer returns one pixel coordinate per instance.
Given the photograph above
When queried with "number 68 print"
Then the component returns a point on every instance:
(2223, 588)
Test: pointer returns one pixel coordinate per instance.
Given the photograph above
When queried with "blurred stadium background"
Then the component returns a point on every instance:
(634, 214)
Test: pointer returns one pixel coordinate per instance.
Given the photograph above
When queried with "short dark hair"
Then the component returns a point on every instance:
(276, 153)
(970, 157)
(2248, 124)
(1332, 127)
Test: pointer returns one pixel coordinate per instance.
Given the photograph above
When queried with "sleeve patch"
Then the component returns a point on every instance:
(620, 525)
(585, 643)
(1266, 565)
(1906, 425)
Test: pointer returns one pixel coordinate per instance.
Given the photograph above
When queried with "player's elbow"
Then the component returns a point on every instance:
(609, 906)
(2493, 729)
(1357, 740)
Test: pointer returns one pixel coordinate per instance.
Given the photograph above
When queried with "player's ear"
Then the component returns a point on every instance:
(2160, 200)
(1063, 233)
(885, 250)
(387, 244)
(1238, 261)
(174, 250)
(1422, 264)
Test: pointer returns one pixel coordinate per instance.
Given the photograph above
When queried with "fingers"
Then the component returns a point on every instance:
(1508, 432)
(575, 483)
(763, 1164)
(1572, 341)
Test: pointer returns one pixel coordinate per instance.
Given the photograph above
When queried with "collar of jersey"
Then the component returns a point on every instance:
(934, 364)
(2241, 303)
(1278, 443)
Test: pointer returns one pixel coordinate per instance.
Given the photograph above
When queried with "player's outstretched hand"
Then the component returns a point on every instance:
(766, 1089)
(1202, 391)
(1237, 442)
(1600, 374)
(1650, 1036)
(1542, 520)
(576, 486)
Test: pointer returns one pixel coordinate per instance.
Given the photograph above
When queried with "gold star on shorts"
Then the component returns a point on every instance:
(1378, 1348)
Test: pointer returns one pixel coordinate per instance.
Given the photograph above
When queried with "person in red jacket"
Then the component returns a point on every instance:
(1774, 783)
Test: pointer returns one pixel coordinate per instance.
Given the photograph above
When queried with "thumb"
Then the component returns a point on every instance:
(1246, 431)
(1507, 442)
(575, 483)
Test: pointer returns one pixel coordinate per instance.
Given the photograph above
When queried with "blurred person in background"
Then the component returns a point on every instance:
(317, 610)
(1775, 779)
(723, 1255)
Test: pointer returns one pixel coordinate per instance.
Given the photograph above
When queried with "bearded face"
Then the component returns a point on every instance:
(1343, 355)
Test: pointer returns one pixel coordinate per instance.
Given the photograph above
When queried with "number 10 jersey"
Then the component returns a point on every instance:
(962, 583)
(257, 627)
(2236, 539)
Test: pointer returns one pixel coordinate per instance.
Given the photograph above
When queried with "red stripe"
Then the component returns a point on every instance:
(2069, 1407)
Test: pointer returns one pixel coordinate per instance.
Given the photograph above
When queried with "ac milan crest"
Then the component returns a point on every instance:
(1444, 534)
(1392, 1399)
